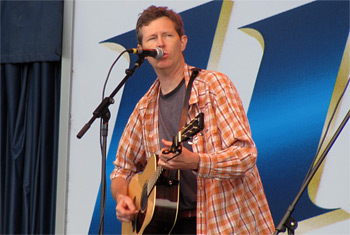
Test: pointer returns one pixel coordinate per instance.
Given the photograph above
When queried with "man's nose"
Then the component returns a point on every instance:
(160, 42)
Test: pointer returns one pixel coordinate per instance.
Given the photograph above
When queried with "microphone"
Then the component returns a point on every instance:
(156, 53)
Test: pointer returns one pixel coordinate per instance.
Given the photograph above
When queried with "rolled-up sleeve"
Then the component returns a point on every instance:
(130, 157)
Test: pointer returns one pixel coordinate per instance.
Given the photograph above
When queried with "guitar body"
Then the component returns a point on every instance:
(156, 191)
(157, 207)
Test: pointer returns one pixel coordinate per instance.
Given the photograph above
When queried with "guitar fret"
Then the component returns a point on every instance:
(153, 180)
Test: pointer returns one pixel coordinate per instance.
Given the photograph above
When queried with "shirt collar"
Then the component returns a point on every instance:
(153, 93)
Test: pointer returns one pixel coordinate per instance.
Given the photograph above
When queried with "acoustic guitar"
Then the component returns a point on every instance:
(155, 191)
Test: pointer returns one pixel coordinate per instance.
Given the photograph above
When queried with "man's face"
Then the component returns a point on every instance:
(161, 33)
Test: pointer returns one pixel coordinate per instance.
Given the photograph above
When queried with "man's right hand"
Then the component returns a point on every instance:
(125, 208)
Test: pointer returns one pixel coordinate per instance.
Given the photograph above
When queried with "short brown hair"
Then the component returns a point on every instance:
(153, 13)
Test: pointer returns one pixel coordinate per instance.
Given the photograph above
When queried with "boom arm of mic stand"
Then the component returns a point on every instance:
(289, 222)
(102, 108)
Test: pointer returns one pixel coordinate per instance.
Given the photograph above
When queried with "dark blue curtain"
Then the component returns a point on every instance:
(29, 129)
(29, 112)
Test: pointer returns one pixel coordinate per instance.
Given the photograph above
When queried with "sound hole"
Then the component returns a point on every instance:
(144, 197)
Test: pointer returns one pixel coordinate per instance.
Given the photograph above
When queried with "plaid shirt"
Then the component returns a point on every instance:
(230, 195)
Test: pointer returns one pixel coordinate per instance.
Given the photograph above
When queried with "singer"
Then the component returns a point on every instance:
(220, 191)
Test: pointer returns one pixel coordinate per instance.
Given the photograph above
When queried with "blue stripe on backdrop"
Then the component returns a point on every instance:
(197, 54)
(303, 52)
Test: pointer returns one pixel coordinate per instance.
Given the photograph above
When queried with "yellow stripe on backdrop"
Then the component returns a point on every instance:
(220, 33)
(342, 178)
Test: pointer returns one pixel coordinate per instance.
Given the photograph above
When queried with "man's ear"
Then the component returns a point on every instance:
(139, 46)
(183, 40)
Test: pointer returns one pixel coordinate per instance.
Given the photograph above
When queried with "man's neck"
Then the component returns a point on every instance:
(169, 80)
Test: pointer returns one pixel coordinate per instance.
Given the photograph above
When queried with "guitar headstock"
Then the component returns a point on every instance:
(191, 129)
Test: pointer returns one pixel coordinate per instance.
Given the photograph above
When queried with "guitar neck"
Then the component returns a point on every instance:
(195, 126)
(153, 179)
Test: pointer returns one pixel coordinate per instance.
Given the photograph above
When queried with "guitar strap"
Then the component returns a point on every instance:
(194, 74)
(173, 174)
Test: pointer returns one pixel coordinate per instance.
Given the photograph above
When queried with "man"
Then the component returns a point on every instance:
(219, 180)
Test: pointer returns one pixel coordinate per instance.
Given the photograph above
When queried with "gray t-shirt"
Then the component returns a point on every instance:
(170, 108)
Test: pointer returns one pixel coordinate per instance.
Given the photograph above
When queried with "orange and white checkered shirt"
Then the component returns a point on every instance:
(230, 195)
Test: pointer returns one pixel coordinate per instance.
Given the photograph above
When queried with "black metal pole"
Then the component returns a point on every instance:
(287, 221)
(103, 112)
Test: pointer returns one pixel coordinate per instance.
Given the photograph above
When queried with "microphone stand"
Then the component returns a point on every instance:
(288, 222)
(103, 112)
